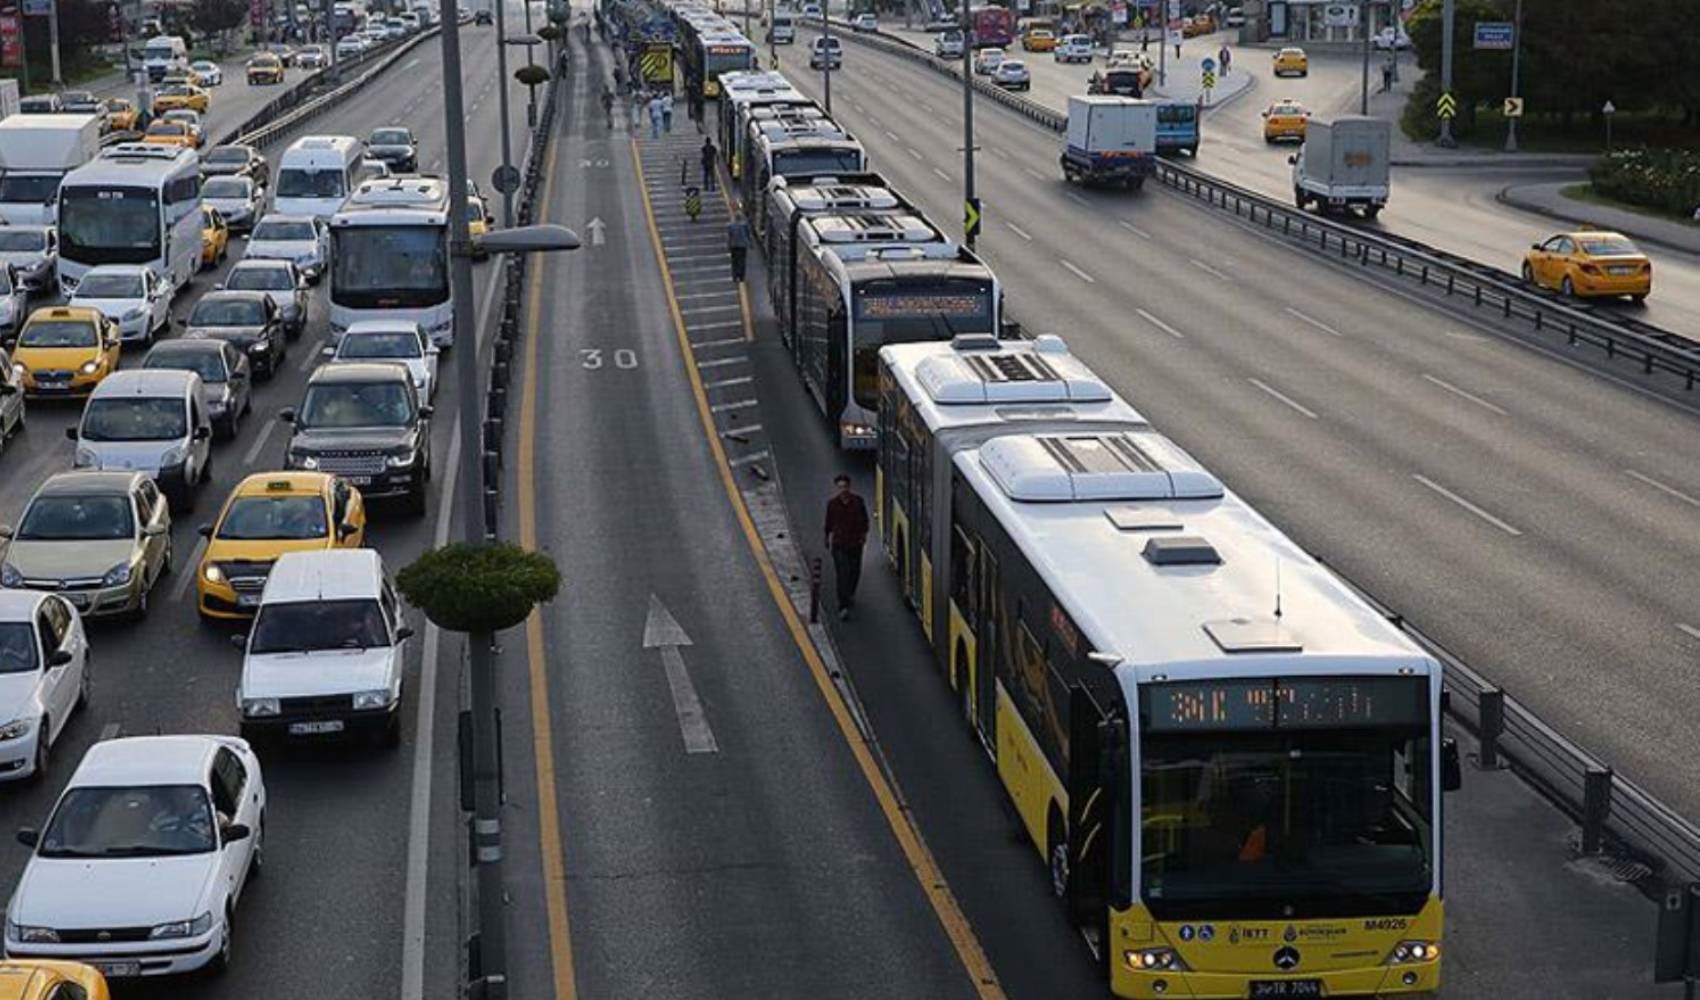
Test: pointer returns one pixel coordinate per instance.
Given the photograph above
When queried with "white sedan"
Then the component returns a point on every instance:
(210, 73)
(144, 858)
(400, 341)
(865, 22)
(300, 239)
(43, 677)
(986, 60)
(1012, 74)
(129, 295)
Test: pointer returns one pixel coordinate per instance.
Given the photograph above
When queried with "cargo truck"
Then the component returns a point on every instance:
(1111, 140)
(36, 152)
(1343, 165)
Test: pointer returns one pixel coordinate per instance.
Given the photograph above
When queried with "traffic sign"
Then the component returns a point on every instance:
(971, 217)
(1209, 65)
(38, 8)
(1446, 106)
(1495, 35)
(1513, 107)
(1209, 80)
(505, 179)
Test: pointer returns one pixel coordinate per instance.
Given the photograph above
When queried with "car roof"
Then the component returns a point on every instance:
(147, 383)
(88, 481)
(361, 371)
(258, 264)
(280, 217)
(187, 345)
(146, 760)
(75, 314)
(288, 483)
(327, 575)
(234, 295)
(17, 603)
(1594, 234)
(382, 326)
(130, 270)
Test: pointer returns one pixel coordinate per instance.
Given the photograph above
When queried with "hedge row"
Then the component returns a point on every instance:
(1663, 179)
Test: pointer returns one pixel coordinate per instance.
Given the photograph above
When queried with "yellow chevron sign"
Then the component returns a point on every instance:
(656, 64)
(1447, 106)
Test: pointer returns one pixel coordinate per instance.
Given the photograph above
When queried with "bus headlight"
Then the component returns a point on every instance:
(1155, 960)
(1406, 952)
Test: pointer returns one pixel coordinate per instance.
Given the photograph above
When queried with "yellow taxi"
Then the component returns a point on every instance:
(42, 979)
(215, 237)
(268, 514)
(479, 222)
(164, 133)
(1292, 61)
(1285, 120)
(65, 351)
(1590, 263)
(182, 96)
(122, 115)
(265, 67)
(1039, 40)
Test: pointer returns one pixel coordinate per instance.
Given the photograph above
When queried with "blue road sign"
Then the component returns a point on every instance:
(38, 8)
(1209, 65)
(1495, 34)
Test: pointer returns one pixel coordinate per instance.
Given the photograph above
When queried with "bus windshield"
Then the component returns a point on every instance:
(109, 225)
(903, 311)
(787, 163)
(386, 267)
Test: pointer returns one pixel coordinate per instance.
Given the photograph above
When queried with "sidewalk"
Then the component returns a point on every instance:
(1408, 152)
(1546, 199)
(1186, 82)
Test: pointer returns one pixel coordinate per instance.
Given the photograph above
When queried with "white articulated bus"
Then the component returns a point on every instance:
(134, 204)
(390, 256)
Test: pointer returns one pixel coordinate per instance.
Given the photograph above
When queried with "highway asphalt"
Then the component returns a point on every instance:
(1486, 489)
(328, 919)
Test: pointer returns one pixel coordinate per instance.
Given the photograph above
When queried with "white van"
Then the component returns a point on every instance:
(827, 53)
(164, 53)
(783, 30)
(150, 420)
(316, 173)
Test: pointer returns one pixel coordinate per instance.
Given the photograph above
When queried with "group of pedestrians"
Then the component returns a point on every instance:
(658, 106)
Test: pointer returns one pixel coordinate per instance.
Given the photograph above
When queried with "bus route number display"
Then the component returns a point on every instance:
(906, 306)
(1285, 703)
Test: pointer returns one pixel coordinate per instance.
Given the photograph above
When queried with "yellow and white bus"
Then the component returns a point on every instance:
(1231, 764)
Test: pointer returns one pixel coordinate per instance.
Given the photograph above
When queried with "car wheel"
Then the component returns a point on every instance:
(220, 963)
(257, 860)
(226, 428)
(43, 752)
(167, 564)
(1640, 299)
(84, 684)
(1528, 273)
(1567, 287)
(141, 612)
(390, 738)
(416, 500)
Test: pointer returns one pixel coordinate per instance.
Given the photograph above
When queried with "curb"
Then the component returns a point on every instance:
(1495, 160)
(1505, 197)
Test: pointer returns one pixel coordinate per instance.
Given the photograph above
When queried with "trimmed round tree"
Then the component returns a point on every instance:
(531, 75)
(479, 588)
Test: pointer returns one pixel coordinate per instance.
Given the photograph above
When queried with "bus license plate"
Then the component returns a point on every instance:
(335, 726)
(1287, 988)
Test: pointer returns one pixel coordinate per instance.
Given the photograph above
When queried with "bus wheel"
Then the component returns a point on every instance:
(1056, 846)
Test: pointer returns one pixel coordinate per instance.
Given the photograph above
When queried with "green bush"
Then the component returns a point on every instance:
(479, 588)
(549, 32)
(1664, 179)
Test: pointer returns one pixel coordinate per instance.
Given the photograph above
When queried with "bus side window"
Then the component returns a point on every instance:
(962, 576)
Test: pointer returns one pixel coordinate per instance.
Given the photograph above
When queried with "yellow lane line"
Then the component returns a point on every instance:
(542, 734)
(915, 851)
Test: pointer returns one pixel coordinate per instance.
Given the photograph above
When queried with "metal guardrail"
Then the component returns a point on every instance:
(1657, 351)
(1614, 813)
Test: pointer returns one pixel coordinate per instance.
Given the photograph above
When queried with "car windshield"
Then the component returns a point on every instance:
(356, 404)
(17, 648)
(298, 183)
(283, 232)
(58, 333)
(309, 626)
(110, 286)
(206, 364)
(267, 517)
(135, 419)
(228, 312)
(227, 154)
(259, 279)
(138, 822)
(21, 240)
(1607, 246)
(97, 517)
(28, 188)
(225, 187)
(1286, 109)
(390, 137)
(379, 345)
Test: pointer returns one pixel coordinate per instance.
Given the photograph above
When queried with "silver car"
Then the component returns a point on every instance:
(99, 539)
(227, 385)
(11, 400)
(300, 239)
(149, 421)
(237, 198)
(14, 302)
(33, 253)
(282, 283)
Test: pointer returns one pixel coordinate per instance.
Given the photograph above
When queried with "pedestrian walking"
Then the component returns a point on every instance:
(1177, 50)
(738, 243)
(1226, 58)
(667, 111)
(693, 203)
(655, 117)
(608, 106)
(846, 533)
(710, 159)
(1386, 76)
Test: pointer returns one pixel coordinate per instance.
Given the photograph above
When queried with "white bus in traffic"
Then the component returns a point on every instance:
(390, 256)
(134, 204)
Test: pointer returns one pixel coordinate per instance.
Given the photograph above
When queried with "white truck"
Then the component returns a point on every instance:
(162, 54)
(1344, 164)
(36, 152)
(1111, 140)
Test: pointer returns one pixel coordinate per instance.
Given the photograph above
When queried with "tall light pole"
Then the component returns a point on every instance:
(502, 98)
(1516, 54)
(1447, 12)
(486, 774)
(826, 53)
(970, 205)
(530, 92)
(1364, 26)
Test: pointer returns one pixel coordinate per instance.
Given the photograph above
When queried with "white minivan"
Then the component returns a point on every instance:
(151, 420)
(316, 173)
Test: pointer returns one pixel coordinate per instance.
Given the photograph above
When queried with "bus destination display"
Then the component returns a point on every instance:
(905, 306)
(1284, 703)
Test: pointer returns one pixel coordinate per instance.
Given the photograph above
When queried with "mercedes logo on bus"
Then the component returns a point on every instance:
(1286, 959)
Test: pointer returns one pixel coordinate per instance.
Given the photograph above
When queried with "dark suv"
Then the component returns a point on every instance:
(363, 421)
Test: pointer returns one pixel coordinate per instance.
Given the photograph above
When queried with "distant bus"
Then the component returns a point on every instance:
(740, 92)
(804, 149)
(991, 27)
(390, 256)
(136, 203)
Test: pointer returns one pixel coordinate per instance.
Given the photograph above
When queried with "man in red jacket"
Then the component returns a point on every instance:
(846, 533)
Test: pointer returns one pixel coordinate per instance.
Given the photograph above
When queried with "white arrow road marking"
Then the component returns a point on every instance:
(597, 228)
(661, 631)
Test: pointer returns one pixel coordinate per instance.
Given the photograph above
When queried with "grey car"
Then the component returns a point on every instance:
(33, 253)
(299, 239)
(12, 416)
(237, 198)
(227, 385)
(247, 320)
(14, 303)
(99, 539)
(221, 161)
(283, 284)
(396, 146)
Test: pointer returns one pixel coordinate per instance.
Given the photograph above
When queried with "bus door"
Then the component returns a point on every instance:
(835, 387)
(1093, 738)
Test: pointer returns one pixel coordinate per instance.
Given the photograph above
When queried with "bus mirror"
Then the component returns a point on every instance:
(1009, 329)
(1451, 772)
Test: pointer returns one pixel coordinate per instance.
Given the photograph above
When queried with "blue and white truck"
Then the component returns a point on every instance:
(1111, 140)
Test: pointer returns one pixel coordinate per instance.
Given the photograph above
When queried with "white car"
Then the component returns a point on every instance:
(1235, 18)
(826, 53)
(33, 252)
(14, 302)
(1391, 37)
(987, 60)
(350, 47)
(1012, 74)
(147, 852)
(43, 677)
(1126, 59)
(300, 239)
(398, 340)
(211, 74)
(237, 198)
(811, 10)
(1073, 48)
(130, 295)
(948, 45)
(327, 651)
(865, 22)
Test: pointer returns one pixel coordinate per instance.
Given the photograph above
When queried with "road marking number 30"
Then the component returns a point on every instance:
(593, 358)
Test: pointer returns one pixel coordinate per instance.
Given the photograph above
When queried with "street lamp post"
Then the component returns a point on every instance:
(826, 53)
(1516, 59)
(530, 92)
(502, 98)
(969, 204)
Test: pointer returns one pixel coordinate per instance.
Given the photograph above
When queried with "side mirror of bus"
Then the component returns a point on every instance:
(1451, 772)
(1009, 329)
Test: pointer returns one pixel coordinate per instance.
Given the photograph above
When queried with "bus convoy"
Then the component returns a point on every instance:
(1230, 763)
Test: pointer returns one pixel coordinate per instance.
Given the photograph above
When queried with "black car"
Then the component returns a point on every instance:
(40, 104)
(249, 320)
(396, 147)
(482, 17)
(365, 422)
(243, 160)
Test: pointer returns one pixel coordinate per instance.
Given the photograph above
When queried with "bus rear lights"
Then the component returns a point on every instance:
(1155, 960)
(1406, 952)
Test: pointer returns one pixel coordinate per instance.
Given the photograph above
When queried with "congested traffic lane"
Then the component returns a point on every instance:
(1468, 481)
(327, 918)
